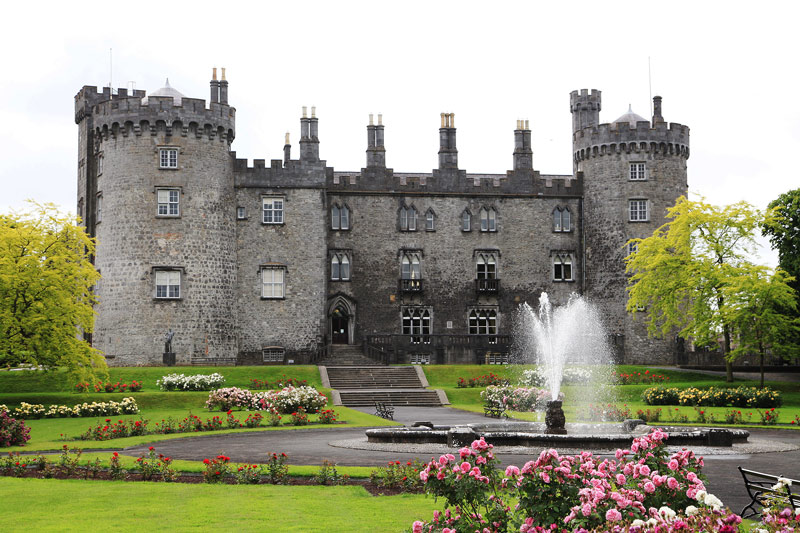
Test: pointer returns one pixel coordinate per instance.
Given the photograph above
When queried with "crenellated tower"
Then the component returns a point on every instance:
(156, 188)
(633, 171)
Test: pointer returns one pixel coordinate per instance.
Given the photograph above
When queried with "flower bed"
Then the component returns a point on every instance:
(13, 432)
(28, 411)
(293, 399)
(277, 384)
(569, 375)
(481, 381)
(579, 493)
(517, 398)
(636, 378)
(134, 386)
(180, 382)
(713, 397)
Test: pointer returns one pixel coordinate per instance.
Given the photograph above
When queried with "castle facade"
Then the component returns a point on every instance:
(276, 262)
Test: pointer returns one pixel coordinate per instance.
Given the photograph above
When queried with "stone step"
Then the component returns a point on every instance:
(419, 398)
(373, 378)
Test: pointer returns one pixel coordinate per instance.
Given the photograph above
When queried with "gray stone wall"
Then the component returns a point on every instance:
(133, 241)
(295, 322)
(524, 240)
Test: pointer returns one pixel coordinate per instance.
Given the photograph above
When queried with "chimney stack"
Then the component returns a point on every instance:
(657, 110)
(214, 87)
(448, 154)
(376, 152)
(223, 89)
(523, 154)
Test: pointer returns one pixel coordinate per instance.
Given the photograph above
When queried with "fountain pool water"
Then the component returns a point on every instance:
(573, 335)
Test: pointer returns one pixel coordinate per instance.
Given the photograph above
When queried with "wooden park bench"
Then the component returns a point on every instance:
(384, 410)
(760, 489)
(494, 410)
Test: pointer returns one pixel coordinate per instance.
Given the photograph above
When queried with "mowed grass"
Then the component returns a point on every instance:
(576, 399)
(78, 505)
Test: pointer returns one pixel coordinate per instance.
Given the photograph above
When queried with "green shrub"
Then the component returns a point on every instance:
(661, 396)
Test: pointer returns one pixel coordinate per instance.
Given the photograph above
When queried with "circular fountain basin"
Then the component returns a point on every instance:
(533, 434)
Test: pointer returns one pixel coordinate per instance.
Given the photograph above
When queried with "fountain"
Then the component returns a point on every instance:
(551, 338)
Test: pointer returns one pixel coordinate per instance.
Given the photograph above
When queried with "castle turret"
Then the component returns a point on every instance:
(585, 109)
(164, 219)
(633, 172)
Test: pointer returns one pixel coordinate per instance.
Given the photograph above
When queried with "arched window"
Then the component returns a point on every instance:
(486, 266)
(340, 217)
(340, 266)
(466, 220)
(562, 267)
(408, 219)
(410, 266)
(483, 322)
(562, 219)
(416, 321)
(488, 219)
(430, 220)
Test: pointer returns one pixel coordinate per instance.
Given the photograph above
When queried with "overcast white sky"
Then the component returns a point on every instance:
(729, 70)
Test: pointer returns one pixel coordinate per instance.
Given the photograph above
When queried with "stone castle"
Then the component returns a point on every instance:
(280, 262)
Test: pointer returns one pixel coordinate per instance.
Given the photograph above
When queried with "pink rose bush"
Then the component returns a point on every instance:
(517, 398)
(575, 493)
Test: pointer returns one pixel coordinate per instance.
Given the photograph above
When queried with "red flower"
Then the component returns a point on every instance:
(152, 448)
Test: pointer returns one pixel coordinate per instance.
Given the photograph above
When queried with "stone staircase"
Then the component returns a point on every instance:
(362, 386)
(347, 355)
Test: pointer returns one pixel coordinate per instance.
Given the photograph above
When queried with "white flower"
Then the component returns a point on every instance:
(691, 510)
(652, 522)
(700, 496)
(712, 501)
(637, 523)
(786, 482)
(666, 512)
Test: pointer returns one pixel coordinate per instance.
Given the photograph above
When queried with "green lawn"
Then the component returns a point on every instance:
(78, 505)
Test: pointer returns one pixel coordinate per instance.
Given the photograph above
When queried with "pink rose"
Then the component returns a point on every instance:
(649, 488)
(512, 470)
(673, 464)
(620, 479)
(417, 528)
(612, 515)
(672, 483)
(586, 509)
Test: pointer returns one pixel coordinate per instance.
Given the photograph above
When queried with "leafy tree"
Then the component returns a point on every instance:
(681, 272)
(46, 299)
(757, 300)
(783, 229)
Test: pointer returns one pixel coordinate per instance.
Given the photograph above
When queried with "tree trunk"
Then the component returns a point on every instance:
(726, 350)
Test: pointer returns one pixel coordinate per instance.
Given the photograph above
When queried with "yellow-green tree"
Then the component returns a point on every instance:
(681, 273)
(46, 281)
(761, 307)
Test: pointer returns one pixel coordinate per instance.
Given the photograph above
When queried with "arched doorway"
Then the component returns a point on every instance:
(340, 325)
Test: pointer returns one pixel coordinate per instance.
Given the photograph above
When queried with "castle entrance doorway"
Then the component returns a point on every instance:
(340, 322)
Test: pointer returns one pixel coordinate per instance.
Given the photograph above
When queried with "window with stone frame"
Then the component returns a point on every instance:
(416, 321)
(562, 219)
(100, 163)
(562, 266)
(272, 354)
(638, 210)
(488, 219)
(466, 220)
(633, 247)
(408, 218)
(638, 171)
(486, 265)
(168, 158)
(98, 208)
(340, 265)
(273, 279)
(272, 209)
(168, 201)
(241, 213)
(168, 284)
(482, 321)
(80, 211)
(410, 266)
(340, 217)
(430, 220)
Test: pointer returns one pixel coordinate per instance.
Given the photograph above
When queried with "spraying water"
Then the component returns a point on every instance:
(568, 337)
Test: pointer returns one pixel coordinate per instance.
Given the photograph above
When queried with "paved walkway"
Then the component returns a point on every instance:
(311, 447)
(754, 375)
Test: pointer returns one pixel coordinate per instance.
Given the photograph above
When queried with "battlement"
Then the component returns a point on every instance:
(280, 174)
(619, 137)
(585, 99)
(125, 114)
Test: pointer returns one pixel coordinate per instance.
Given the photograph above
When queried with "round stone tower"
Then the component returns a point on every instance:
(633, 169)
(159, 196)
